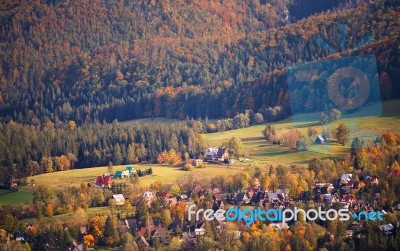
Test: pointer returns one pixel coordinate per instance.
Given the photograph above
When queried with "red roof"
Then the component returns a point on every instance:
(103, 180)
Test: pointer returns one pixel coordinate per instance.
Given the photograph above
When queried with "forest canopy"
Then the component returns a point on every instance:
(106, 60)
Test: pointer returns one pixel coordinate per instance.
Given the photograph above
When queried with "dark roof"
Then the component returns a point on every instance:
(160, 232)
(156, 221)
(221, 151)
(319, 139)
(175, 224)
(196, 225)
(305, 195)
(190, 245)
(240, 196)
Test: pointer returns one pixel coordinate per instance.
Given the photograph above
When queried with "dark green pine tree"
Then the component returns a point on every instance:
(111, 236)
(117, 155)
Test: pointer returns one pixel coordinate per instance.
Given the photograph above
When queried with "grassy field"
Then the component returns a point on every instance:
(166, 174)
(91, 212)
(14, 198)
(259, 151)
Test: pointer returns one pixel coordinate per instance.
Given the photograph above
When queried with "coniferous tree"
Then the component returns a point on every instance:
(110, 235)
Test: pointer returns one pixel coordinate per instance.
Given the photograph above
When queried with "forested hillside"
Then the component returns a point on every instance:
(106, 60)
(31, 150)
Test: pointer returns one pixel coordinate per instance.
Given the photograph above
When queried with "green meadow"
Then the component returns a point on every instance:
(165, 174)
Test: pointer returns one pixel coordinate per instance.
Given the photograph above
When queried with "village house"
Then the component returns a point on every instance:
(122, 174)
(148, 196)
(196, 229)
(371, 181)
(119, 199)
(387, 229)
(104, 181)
(197, 162)
(131, 225)
(211, 153)
(320, 140)
(220, 154)
(242, 199)
(130, 169)
(345, 178)
(160, 233)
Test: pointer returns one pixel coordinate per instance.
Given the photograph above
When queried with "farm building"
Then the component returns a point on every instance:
(121, 174)
(320, 140)
(104, 181)
(130, 169)
(197, 162)
(222, 154)
(219, 154)
(119, 199)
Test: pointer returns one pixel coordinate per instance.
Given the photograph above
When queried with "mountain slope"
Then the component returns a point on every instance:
(106, 60)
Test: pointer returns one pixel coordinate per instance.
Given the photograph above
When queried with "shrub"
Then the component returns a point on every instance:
(188, 167)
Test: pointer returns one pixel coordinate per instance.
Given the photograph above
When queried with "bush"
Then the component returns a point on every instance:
(302, 144)
(188, 167)
(258, 118)
(22, 182)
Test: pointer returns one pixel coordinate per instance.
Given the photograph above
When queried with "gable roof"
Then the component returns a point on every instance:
(346, 177)
(103, 180)
(160, 232)
(221, 152)
(320, 139)
(119, 198)
(240, 196)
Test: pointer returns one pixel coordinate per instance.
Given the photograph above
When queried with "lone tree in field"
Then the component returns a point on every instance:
(235, 144)
(269, 133)
(342, 134)
(110, 168)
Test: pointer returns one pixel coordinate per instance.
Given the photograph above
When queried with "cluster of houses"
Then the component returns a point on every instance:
(125, 173)
(345, 191)
(105, 180)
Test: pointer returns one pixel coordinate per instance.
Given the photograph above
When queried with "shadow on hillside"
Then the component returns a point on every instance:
(305, 125)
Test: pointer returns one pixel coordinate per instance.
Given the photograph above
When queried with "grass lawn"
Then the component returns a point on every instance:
(91, 212)
(166, 174)
(15, 198)
(263, 153)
